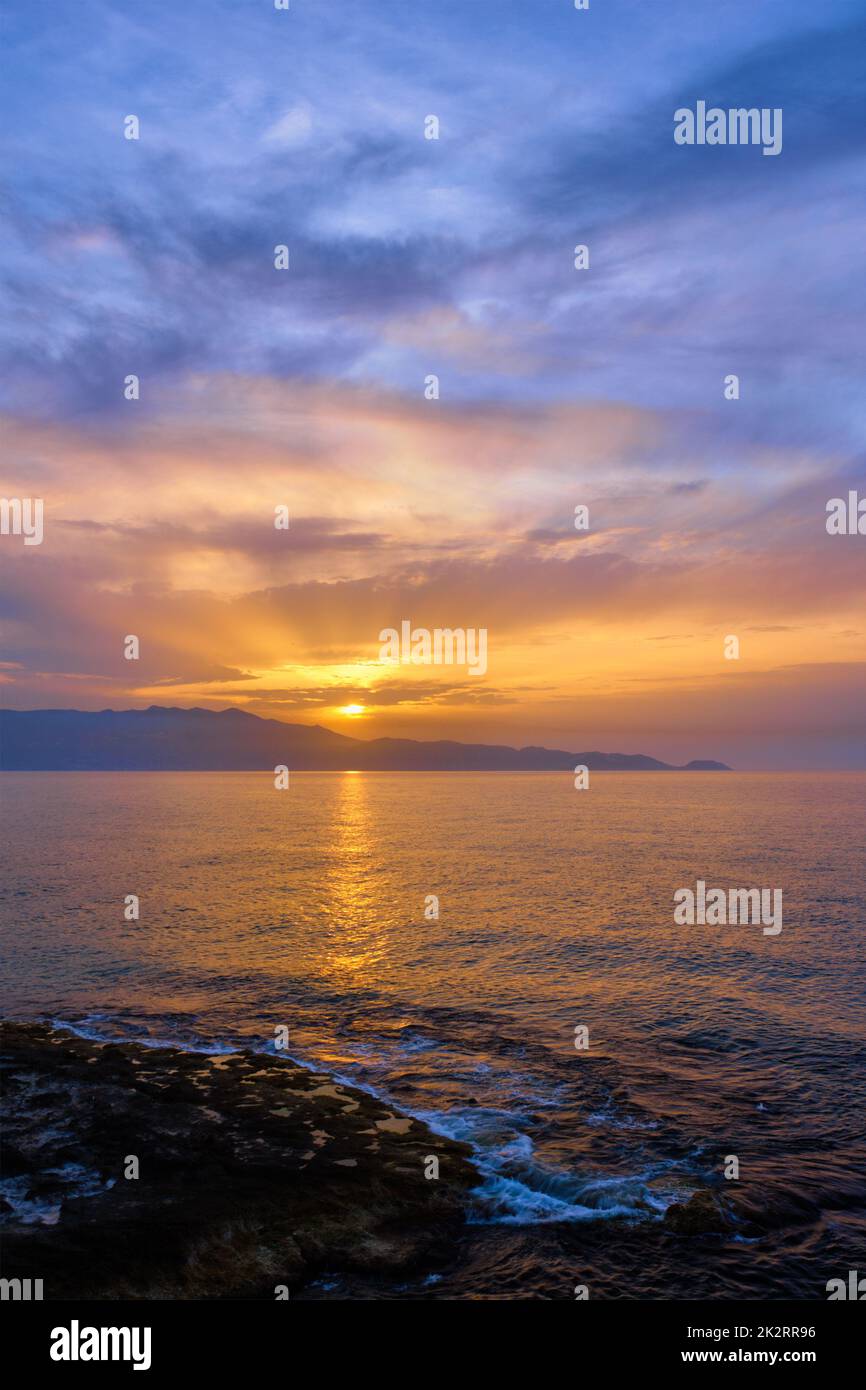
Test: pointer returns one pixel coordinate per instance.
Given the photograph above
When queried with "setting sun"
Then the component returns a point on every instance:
(352, 710)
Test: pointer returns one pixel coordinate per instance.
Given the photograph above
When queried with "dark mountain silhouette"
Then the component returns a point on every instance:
(162, 740)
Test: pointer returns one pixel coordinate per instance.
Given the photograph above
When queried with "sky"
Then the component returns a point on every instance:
(410, 257)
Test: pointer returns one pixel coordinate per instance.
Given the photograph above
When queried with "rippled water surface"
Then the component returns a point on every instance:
(307, 908)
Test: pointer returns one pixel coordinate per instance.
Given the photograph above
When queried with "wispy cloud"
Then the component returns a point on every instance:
(452, 258)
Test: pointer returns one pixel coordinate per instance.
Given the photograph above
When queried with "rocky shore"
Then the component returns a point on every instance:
(253, 1173)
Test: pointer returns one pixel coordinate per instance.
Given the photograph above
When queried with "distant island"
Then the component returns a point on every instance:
(162, 739)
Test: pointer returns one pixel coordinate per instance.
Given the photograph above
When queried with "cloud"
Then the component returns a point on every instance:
(294, 127)
(411, 257)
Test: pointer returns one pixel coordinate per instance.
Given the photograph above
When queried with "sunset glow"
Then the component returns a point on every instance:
(557, 389)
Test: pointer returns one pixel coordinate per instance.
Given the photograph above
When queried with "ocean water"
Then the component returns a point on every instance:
(306, 908)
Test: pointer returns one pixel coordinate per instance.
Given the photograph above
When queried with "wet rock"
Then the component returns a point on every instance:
(253, 1172)
(702, 1214)
(47, 1186)
(14, 1161)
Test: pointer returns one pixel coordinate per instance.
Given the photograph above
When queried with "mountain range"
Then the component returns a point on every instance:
(162, 739)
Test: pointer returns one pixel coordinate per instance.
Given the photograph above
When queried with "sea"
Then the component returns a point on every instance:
(498, 955)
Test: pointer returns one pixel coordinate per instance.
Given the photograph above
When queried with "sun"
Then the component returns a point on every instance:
(352, 710)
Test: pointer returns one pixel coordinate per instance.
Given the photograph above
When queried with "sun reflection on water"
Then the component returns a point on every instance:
(354, 931)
